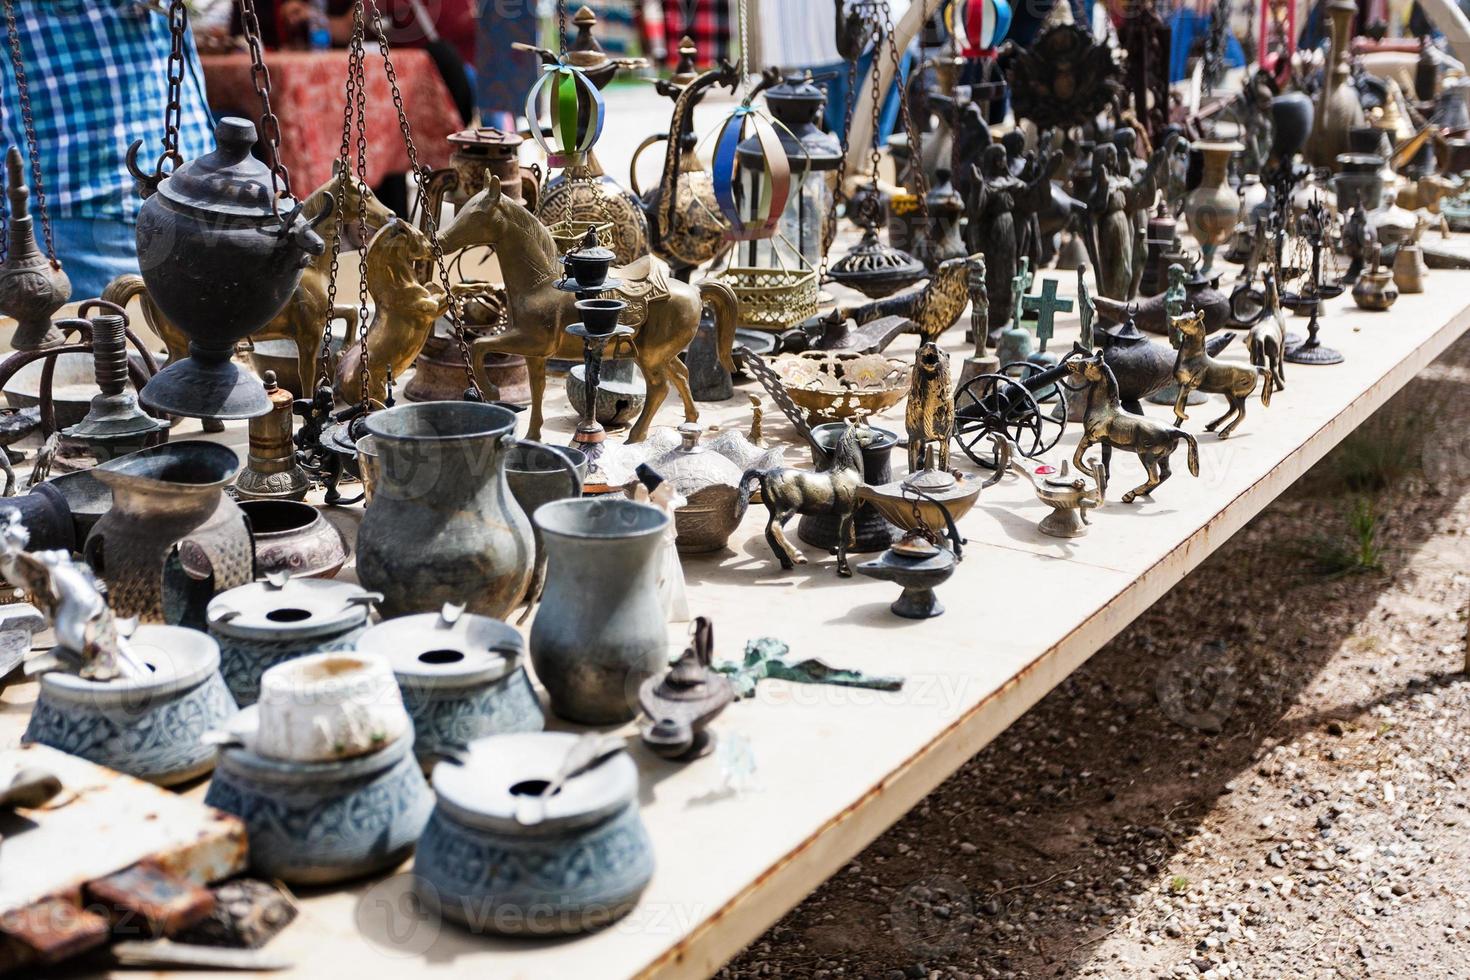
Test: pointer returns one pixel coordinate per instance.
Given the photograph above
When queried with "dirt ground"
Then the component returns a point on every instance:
(1263, 776)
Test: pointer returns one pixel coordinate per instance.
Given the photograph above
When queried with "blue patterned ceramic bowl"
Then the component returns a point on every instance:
(266, 623)
(580, 864)
(461, 678)
(150, 728)
(313, 823)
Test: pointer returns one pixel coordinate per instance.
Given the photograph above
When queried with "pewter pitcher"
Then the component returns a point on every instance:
(600, 630)
(442, 525)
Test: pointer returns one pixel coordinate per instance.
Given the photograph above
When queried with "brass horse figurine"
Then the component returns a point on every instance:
(302, 318)
(787, 491)
(1194, 368)
(538, 312)
(404, 315)
(1267, 339)
(1104, 422)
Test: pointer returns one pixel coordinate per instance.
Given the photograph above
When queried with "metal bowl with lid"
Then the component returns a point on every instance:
(499, 856)
(266, 623)
(462, 677)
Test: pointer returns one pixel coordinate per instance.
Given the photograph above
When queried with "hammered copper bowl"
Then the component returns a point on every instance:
(294, 537)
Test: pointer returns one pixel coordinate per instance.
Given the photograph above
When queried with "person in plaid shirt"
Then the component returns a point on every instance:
(97, 72)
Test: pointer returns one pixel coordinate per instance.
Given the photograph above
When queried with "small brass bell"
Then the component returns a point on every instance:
(272, 472)
(114, 425)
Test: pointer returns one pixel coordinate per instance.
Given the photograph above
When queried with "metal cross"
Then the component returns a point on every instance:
(1020, 285)
(1046, 307)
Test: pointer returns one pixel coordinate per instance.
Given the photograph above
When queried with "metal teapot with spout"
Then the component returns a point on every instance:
(685, 225)
(221, 257)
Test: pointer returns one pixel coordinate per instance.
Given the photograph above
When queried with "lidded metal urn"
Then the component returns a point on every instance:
(221, 256)
(114, 424)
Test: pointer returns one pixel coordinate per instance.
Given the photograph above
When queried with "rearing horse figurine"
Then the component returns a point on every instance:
(538, 313)
(1195, 369)
(303, 316)
(404, 313)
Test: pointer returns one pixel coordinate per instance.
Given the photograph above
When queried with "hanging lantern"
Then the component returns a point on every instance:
(795, 105)
(982, 23)
(576, 114)
(774, 282)
(768, 183)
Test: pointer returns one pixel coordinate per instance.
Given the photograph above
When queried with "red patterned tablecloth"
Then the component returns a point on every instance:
(307, 94)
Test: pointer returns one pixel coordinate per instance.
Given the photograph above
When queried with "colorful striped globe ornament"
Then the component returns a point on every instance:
(767, 187)
(576, 114)
(983, 23)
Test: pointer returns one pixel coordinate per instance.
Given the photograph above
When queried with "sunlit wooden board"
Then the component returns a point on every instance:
(837, 766)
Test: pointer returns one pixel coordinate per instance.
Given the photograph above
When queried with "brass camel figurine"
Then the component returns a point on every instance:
(1105, 423)
(1195, 369)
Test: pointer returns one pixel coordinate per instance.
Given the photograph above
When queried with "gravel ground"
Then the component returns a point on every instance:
(1263, 776)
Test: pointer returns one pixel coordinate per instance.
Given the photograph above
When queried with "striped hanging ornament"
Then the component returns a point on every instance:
(774, 176)
(982, 23)
(571, 91)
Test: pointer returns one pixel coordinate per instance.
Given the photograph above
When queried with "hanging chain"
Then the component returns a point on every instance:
(270, 125)
(916, 147)
(339, 221)
(38, 188)
(431, 220)
(561, 25)
(359, 71)
(839, 192)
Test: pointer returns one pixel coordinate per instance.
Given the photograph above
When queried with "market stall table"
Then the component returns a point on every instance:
(836, 766)
(306, 95)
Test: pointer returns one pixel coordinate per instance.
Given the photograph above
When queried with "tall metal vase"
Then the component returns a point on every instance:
(442, 525)
(600, 630)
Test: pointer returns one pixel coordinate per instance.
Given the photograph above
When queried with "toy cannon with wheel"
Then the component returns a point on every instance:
(1010, 404)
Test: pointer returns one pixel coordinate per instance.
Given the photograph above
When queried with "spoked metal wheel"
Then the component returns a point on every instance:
(997, 403)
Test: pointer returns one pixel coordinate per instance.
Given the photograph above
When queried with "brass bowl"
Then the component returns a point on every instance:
(833, 386)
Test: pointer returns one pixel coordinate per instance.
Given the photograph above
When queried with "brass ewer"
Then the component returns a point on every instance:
(685, 225)
(32, 287)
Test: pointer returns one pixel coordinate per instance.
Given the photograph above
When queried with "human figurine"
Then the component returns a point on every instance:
(1113, 204)
(1176, 294)
(999, 207)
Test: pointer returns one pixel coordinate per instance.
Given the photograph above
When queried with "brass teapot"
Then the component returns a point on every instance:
(685, 225)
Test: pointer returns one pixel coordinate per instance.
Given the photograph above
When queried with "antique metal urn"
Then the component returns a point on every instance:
(220, 257)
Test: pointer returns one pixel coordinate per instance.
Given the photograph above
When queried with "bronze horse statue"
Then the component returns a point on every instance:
(1195, 369)
(304, 316)
(787, 491)
(403, 317)
(1104, 422)
(664, 312)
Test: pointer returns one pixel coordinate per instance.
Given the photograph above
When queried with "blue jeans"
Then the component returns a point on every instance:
(94, 252)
